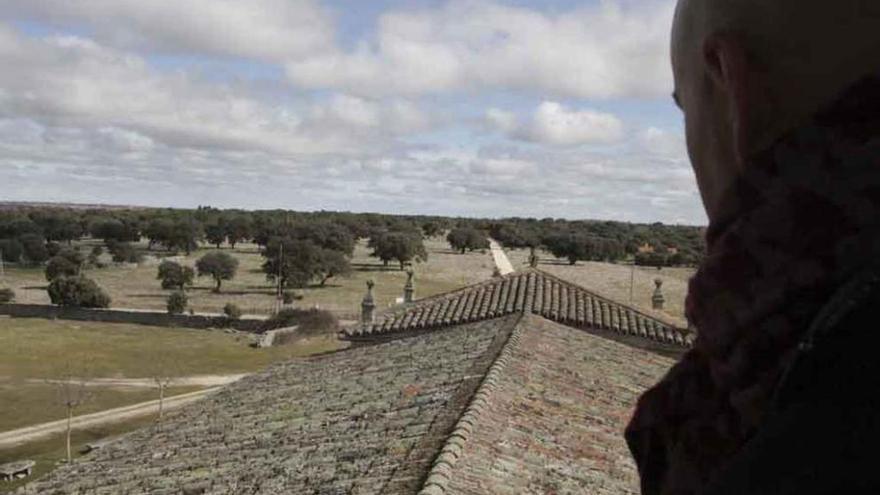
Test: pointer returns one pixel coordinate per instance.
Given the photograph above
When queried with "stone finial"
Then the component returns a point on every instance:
(368, 306)
(657, 299)
(409, 289)
(533, 258)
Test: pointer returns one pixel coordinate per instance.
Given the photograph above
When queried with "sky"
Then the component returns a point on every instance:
(487, 108)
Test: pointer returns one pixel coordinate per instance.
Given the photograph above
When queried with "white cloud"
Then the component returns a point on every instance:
(554, 124)
(611, 49)
(502, 120)
(663, 142)
(74, 82)
(386, 125)
(273, 30)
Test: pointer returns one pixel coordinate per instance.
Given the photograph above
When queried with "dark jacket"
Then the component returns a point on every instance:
(823, 431)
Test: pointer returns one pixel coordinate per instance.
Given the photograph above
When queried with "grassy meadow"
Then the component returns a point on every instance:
(136, 286)
(33, 351)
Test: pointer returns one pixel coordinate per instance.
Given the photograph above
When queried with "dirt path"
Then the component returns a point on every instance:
(36, 432)
(501, 260)
(185, 381)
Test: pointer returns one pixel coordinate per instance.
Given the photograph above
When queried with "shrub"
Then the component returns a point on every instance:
(177, 302)
(94, 258)
(78, 291)
(124, 252)
(7, 295)
(310, 321)
(232, 311)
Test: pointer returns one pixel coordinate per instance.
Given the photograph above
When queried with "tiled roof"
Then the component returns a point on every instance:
(531, 291)
(368, 420)
(512, 403)
(551, 418)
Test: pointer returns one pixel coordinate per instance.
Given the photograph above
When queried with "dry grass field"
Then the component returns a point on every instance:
(613, 281)
(34, 350)
(136, 286)
(49, 451)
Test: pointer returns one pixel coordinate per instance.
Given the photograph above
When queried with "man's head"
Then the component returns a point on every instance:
(746, 71)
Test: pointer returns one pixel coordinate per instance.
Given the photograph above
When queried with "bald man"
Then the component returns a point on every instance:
(781, 391)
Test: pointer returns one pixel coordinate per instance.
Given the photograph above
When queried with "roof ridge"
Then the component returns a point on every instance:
(528, 291)
(595, 294)
(438, 476)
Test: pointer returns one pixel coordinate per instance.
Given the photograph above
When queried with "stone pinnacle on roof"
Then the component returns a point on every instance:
(368, 307)
(409, 289)
(529, 291)
(657, 300)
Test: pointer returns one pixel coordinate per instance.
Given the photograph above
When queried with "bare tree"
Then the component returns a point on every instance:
(164, 371)
(71, 385)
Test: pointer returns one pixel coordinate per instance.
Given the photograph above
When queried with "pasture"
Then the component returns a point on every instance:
(136, 286)
(33, 352)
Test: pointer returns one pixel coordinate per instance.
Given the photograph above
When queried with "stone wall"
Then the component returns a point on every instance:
(154, 318)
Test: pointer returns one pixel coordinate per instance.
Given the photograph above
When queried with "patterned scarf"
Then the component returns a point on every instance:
(806, 216)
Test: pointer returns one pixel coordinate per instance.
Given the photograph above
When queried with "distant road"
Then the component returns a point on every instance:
(184, 381)
(37, 432)
(501, 260)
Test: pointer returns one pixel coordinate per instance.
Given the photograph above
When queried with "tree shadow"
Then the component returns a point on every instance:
(369, 267)
(148, 296)
(555, 262)
(447, 251)
(35, 287)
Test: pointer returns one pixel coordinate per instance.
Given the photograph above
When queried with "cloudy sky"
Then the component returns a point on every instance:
(463, 107)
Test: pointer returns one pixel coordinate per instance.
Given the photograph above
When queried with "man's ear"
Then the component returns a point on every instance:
(728, 69)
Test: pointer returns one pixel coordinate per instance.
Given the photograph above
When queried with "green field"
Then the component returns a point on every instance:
(135, 286)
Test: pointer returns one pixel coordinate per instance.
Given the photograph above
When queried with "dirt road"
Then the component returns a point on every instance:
(36, 432)
(501, 260)
(185, 381)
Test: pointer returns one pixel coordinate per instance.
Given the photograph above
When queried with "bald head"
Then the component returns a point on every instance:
(746, 71)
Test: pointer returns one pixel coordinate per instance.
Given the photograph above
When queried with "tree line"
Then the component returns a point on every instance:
(302, 248)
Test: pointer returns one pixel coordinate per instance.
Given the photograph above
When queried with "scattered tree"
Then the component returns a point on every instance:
(124, 252)
(72, 393)
(431, 229)
(238, 229)
(34, 249)
(174, 275)
(115, 230)
(218, 265)
(215, 233)
(404, 247)
(11, 250)
(467, 239)
(332, 264)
